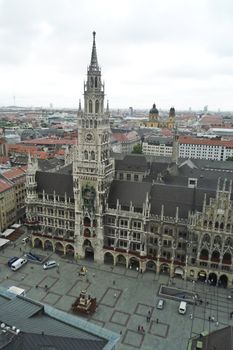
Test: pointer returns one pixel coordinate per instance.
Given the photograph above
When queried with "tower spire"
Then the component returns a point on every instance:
(94, 61)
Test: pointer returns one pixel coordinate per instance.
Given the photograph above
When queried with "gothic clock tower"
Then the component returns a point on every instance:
(93, 169)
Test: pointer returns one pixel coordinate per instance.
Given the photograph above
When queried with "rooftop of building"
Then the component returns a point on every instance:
(221, 339)
(50, 141)
(4, 186)
(41, 325)
(202, 141)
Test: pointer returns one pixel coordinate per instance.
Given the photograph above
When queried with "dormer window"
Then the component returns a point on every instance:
(192, 182)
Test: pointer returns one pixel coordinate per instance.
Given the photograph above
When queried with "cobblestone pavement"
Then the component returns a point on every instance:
(124, 298)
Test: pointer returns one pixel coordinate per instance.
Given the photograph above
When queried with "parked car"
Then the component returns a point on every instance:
(18, 264)
(12, 260)
(50, 264)
(160, 304)
(182, 307)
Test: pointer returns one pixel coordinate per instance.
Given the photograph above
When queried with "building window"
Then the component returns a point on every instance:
(123, 222)
(90, 106)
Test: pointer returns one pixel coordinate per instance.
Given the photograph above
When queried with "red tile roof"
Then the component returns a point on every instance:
(50, 141)
(21, 148)
(208, 142)
(14, 172)
(4, 186)
(4, 160)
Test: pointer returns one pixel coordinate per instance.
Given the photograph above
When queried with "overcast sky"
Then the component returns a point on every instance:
(172, 52)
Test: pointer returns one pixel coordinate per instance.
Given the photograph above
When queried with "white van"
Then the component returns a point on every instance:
(18, 264)
(50, 264)
(183, 307)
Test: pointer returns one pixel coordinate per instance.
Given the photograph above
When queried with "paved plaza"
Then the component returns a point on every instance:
(124, 298)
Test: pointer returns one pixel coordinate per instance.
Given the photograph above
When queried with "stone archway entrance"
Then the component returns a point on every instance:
(69, 250)
(134, 263)
(38, 243)
(108, 258)
(121, 260)
(213, 278)
(165, 269)
(201, 276)
(48, 245)
(151, 266)
(89, 251)
(59, 248)
(223, 281)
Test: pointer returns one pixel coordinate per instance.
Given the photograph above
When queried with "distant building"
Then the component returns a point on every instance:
(17, 177)
(156, 122)
(198, 148)
(124, 142)
(7, 205)
(158, 146)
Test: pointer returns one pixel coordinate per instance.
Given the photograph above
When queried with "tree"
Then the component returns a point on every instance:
(137, 149)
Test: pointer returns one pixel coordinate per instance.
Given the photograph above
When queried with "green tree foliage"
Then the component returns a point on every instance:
(137, 149)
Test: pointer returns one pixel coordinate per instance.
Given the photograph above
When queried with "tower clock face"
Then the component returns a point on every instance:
(89, 137)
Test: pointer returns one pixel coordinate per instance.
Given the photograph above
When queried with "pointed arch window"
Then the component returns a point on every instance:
(92, 155)
(96, 82)
(90, 106)
(97, 106)
(92, 82)
(85, 155)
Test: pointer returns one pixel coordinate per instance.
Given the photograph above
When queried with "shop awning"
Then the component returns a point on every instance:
(202, 274)
(179, 271)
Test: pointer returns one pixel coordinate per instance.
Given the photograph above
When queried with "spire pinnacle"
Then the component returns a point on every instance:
(94, 61)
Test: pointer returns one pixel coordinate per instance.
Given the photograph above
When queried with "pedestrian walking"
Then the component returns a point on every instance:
(157, 320)
(115, 295)
(191, 316)
(139, 328)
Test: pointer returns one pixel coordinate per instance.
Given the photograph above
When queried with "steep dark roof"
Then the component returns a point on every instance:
(127, 192)
(49, 164)
(50, 182)
(134, 162)
(221, 339)
(187, 199)
(29, 341)
(39, 325)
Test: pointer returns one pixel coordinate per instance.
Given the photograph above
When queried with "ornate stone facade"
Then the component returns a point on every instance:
(164, 217)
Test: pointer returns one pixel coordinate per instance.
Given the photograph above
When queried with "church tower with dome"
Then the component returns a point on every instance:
(156, 122)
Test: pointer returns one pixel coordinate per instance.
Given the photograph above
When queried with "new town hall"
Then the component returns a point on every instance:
(174, 218)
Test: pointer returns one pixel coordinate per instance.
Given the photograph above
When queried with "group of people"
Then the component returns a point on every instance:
(141, 329)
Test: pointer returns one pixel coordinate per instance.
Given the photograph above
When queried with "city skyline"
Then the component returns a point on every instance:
(165, 52)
